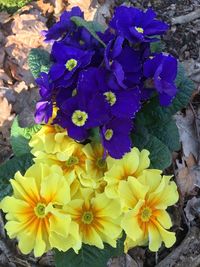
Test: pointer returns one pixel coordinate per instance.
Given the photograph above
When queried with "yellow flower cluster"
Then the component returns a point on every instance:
(74, 194)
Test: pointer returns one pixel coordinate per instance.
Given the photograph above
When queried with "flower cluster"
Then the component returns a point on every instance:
(103, 84)
(74, 195)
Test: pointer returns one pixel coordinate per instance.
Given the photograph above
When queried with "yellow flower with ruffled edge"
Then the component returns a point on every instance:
(98, 218)
(51, 139)
(95, 165)
(34, 212)
(147, 198)
(132, 164)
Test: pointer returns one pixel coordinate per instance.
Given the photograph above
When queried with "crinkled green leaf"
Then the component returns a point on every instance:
(88, 256)
(167, 132)
(8, 170)
(160, 155)
(20, 137)
(92, 26)
(38, 61)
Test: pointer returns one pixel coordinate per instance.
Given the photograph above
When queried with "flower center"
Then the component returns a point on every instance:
(72, 161)
(71, 64)
(101, 163)
(146, 214)
(79, 118)
(87, 217)
(139, 29)
(108, 134)
(74, 92)
(110, 97)
(40, 210)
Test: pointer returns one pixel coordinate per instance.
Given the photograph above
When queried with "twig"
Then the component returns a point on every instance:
(186, 18)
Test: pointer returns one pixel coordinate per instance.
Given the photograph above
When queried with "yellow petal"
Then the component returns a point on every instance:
(105, 207)
(152, 178)
(26, 243)
(139, 190)
(60, 223)
(163, 218)
(127, 195)
(91, 237)
(169, 238)
(130, 223)
(144, 162)
(155, 239)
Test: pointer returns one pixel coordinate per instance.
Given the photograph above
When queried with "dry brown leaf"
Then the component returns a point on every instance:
(46, 8)
(26, 34)
(89, 7)
(188, 175)
(4, 77)
(5, 17)
(192, 209)
(5, 110)
(187, 133)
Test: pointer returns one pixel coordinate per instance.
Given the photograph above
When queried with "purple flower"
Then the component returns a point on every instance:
(116, 137)
(81, 113)
(64, 26)
(68, 62)
(124, 62)
(119, 102)
(136, 25)
(163, 70)
(44, 107)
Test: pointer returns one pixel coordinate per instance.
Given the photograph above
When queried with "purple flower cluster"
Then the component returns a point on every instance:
(104, 86)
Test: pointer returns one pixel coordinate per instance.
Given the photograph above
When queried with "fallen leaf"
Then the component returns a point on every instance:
(192, 209)
(5, 110)
(187, 133)
(45, 7)
(187, 175)
(89, 7)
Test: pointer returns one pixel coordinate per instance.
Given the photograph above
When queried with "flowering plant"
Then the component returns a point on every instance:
(88, 179)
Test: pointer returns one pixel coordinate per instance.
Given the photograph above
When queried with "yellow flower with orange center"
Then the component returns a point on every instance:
(35, 211)
(95, 165)
(146, 219)
(98, 218)
(132, 164)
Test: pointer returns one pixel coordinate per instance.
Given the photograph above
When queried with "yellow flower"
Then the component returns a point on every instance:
(98, 218)
(51, 139)
(132, 164)
(34, 212)
(147, 199)
(95, 165)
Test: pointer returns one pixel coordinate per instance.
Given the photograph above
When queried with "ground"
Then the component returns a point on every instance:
(18, 95)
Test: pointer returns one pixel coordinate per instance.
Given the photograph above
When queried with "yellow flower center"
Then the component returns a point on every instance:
(74, 92)
(108, 134)
(139, 29)
(110, 97)
(87, 217)
(79, 118)
(71, 64)
(101, 163)
(146, 214)
(40, 210)
(72, 161)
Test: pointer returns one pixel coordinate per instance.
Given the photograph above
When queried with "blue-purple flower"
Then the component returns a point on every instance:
(124, 61)
(116, 137)
(81, 113)
(68, 62)
(136, 25)
(44, 107)
(119, 102)
(63, 27)
(163, 70)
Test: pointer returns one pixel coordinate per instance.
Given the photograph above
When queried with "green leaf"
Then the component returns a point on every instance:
(157, 47)
(167, 133)
(38, 61)
(160, 156)
(88, 256)
(8, 170)
(20, 137)
(92, 26)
